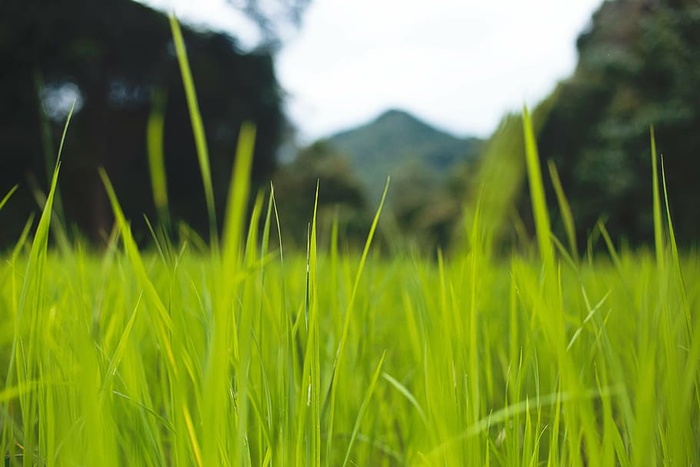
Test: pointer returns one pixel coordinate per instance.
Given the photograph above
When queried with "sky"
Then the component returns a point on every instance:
(460, 65)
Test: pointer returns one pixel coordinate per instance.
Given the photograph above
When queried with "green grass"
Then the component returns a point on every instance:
(127, 359)
(249, 356)
(255, 355)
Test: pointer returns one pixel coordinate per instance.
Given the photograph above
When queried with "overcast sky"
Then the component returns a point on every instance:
(458, 64)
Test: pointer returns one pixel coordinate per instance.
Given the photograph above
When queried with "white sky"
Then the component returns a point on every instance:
(458, 64)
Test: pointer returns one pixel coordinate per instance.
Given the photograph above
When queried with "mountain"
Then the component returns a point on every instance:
(397, 141)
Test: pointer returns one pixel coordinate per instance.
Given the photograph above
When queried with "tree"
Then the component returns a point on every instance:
(639, 65)
(113, 56)
(272, 17)
(424, 206)
(340, 195)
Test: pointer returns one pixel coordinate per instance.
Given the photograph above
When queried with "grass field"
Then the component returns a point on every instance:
(247, 354)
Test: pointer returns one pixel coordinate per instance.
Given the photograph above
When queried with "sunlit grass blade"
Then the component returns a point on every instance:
(523, 407)
(331, 397)
(118, 354)
(407, 394)
(197, 125)
(309, 406)
(656, 209)
(156, 154)
(159, 240)
(611, 247)
(163, 322)
(7, 196)
(675, 255)
(567, 216)
(24, 358)
(191, 434)
(363, 408)
(499, 179)
(230, 349)
(537, 196)
(565, 254)
(238, 195)
(60, 219)
(22, 241)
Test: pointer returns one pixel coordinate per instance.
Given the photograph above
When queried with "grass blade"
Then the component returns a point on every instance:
(197, 125)
(156, 156)
(347, 320)
(163, 322)
(539, 202)
(565, 209)
(239, 192)
(363, 407)
(658, 219)
(7, 196)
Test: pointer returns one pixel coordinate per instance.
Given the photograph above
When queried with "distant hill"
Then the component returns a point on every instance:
(396, 141)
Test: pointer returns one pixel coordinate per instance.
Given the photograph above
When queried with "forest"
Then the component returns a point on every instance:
(638, 67)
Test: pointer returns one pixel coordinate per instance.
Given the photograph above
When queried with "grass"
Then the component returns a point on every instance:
(249, 356)
(131, 359)
(255, 355)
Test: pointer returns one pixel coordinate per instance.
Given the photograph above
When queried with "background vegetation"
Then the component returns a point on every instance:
(116, 57)
(638, 66)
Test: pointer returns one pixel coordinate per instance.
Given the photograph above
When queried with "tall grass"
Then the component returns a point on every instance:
(331, 358)
(254, 355)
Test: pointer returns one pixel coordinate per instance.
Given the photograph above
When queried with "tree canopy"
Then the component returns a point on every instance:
(639, 66)
(113, 57)
(272, 17)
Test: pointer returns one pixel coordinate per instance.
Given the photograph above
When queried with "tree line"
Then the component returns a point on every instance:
(638, 67)
(115, 59)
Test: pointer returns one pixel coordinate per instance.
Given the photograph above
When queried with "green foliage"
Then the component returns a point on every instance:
(53, 51)
(341, 200)
(423, 210)
(429, 170)
(496, 190)
(639, 66)
(397, 140)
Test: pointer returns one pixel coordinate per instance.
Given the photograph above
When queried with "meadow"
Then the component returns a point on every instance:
(245, 353)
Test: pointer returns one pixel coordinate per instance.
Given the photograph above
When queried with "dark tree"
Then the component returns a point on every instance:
(112, 56)
(639, 66)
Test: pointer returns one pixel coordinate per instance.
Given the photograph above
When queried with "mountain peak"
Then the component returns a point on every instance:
(396, 113)
(397, 118)
(397, 139)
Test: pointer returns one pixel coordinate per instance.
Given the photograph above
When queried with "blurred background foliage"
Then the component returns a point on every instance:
(341, 197)
(639, 65)
(111, 57)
